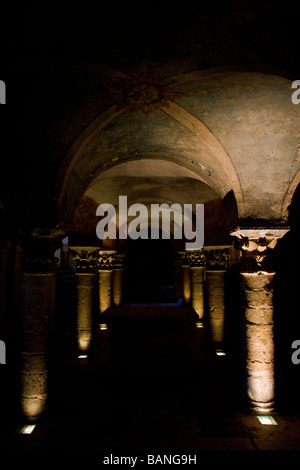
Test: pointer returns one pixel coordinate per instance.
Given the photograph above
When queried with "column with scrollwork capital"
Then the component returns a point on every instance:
(106, 263)
(257, 273)
(217, 260)
(186, 277)
(117, 278)
(196, 260)
(37, 308)
(85, 258)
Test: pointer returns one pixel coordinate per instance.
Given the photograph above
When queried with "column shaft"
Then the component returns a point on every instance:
(85, 260)
(105, 287)
(85, 303)
(117, 278)
(216, 304)
(197, 273)
(186, 284)
(258, 298)
(38, 301)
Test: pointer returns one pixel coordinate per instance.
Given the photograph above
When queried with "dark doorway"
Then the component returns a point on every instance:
(149, 275)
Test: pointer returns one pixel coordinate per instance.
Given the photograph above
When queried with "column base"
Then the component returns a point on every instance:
(261, 408)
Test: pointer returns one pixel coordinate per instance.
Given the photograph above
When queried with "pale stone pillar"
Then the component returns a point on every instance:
(196, 259)
(85, 259)
(38, 308)
(186, 278)
(105, 268)
(110, 269)
(257, 272)
(216, 305)
(105, 287)
(216, 265)
(258, 295)
(117, 278)
(37, 296)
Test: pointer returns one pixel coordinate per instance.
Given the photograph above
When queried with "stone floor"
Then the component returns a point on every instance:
(99, 406)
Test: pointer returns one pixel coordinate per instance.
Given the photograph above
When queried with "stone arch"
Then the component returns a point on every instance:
(294, 185)
(223, 182)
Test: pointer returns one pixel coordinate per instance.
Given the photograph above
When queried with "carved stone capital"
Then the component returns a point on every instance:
(217, 257)
(39, 247)
(85, 258)
(195, 258)
(183, 258)
(110, 259)
(257, 252)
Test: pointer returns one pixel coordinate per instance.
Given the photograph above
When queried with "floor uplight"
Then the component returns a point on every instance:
(269, 420)
(103, 326)
(25, 429)
(82, 356)
(220, 353)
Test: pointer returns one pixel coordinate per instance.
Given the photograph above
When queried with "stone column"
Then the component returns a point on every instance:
(85, 260)
(196, 260)
(105, 268)
(110, 269)
(216, 265)
(186, 277)
(257, 272)
(38, 308)
(117, 278)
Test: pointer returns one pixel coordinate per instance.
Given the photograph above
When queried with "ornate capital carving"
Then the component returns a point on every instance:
(195, 258)
(39, 247)
(85, 258)
(183, 258)
(257, 254)
(217, 257)
(257, 246)
(108, 260)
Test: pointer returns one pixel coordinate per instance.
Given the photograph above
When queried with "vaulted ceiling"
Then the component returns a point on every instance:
(165, 102)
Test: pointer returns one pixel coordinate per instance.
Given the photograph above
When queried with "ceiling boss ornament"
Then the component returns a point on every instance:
(145, 91)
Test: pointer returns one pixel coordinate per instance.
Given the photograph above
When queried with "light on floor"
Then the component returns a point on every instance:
(25, 429)
(82, 356)
(103, 326)
(220, 353)
(269, 420)
(199, 324)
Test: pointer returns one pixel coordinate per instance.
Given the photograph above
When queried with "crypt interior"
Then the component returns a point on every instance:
(123, 344)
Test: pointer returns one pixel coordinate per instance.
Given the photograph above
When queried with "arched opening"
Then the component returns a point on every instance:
(286, 312)
(149, 272)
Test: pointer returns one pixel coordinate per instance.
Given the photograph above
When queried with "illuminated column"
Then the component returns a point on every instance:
(85, 259)
(216, 264)
(186, 277)
(38, 307)
(257, 272)
(196, 260)
(105, 267)
(117, 278)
